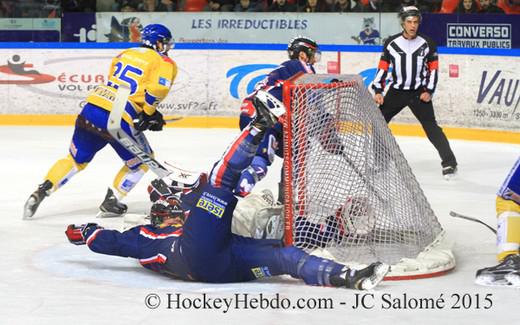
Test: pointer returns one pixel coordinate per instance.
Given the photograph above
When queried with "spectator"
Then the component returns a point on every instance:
(312, 6)
(487, 7)
(430, 5)
(343, 6)
(72, 5)
(124, 5)
(157, 6)
(282, 6)
(220, 5)
(467, 7)
(246, 6)
(371, 6)
(328, 5)
(510, 6)
(127, 6)
(8, 9)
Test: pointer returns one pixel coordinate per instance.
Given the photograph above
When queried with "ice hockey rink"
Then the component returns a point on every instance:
(46, 280)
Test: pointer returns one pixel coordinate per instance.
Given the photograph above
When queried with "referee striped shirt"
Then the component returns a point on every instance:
(415, 64)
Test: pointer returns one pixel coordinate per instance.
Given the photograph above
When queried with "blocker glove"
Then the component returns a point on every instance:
(154, 122)
(77, 234)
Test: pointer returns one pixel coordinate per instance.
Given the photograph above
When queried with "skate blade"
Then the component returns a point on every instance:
(514, 280)
(491, 281)
(380, 271)
(450, 177)
(28, 212)
(103, 214)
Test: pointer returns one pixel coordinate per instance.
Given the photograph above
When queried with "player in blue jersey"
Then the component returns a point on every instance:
(303, 52)
(149, 73)
(197, 245)
(507, 272)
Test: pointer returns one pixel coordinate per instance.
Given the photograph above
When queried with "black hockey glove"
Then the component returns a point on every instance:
(154, 122)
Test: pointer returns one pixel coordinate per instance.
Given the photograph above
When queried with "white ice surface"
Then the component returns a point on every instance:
(45, 280)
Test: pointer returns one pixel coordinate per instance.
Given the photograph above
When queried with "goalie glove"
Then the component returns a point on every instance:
(77, 234)
(154, 122)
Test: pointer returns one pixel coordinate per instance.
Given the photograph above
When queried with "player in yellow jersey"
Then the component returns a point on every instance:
(507, 272)
(149, 73)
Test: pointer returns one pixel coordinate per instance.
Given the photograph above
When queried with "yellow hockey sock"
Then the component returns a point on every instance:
(62, 171)
(126, 179)
(508, 228)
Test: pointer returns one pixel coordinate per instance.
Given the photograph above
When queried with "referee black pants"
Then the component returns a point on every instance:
(396, 100)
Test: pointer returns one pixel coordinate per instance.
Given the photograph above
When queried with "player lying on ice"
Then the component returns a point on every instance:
(198, 245)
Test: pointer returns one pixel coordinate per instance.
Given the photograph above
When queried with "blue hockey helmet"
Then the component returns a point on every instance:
(158, 37)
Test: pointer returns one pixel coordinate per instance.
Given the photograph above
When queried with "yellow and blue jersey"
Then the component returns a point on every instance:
(149, 75)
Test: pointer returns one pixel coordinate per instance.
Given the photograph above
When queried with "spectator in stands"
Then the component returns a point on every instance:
(127, 6)
(487, 7)
(124, 5)
(282, 6)
(157, 6)
(220, 5)
(73, 5)
(328, 5)
(371, 6)
(8, 9)
(246, 6)
(467, 7)
(510, 6)
(312, 6)
(343, 6)
(429, 5)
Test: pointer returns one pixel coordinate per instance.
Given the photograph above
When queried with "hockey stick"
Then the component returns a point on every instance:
(362, 177)
(457, 215)
(115, 130)
(173, 119)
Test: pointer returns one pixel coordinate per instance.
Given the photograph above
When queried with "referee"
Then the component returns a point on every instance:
(414, 59)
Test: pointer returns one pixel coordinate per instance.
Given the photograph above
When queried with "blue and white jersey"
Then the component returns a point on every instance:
(157, 249)
(273, 83)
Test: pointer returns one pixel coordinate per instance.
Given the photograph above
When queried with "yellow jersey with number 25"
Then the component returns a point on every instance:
(149, 75)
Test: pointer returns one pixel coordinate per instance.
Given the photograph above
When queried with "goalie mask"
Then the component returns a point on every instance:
(307, 45)
(169, 208)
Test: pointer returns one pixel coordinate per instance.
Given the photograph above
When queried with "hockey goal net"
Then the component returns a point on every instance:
(350, 194)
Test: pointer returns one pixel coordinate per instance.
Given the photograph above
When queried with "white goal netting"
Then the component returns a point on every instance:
(349, 192)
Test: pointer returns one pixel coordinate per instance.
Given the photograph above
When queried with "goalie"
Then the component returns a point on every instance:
(507, 272)
(198, 245)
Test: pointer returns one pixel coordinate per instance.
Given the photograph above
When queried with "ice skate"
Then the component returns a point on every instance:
(32, 203)
(496, 275)
(449, 172)
(513, 278)
(268, 109)
(364, 279)
(111, 207)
